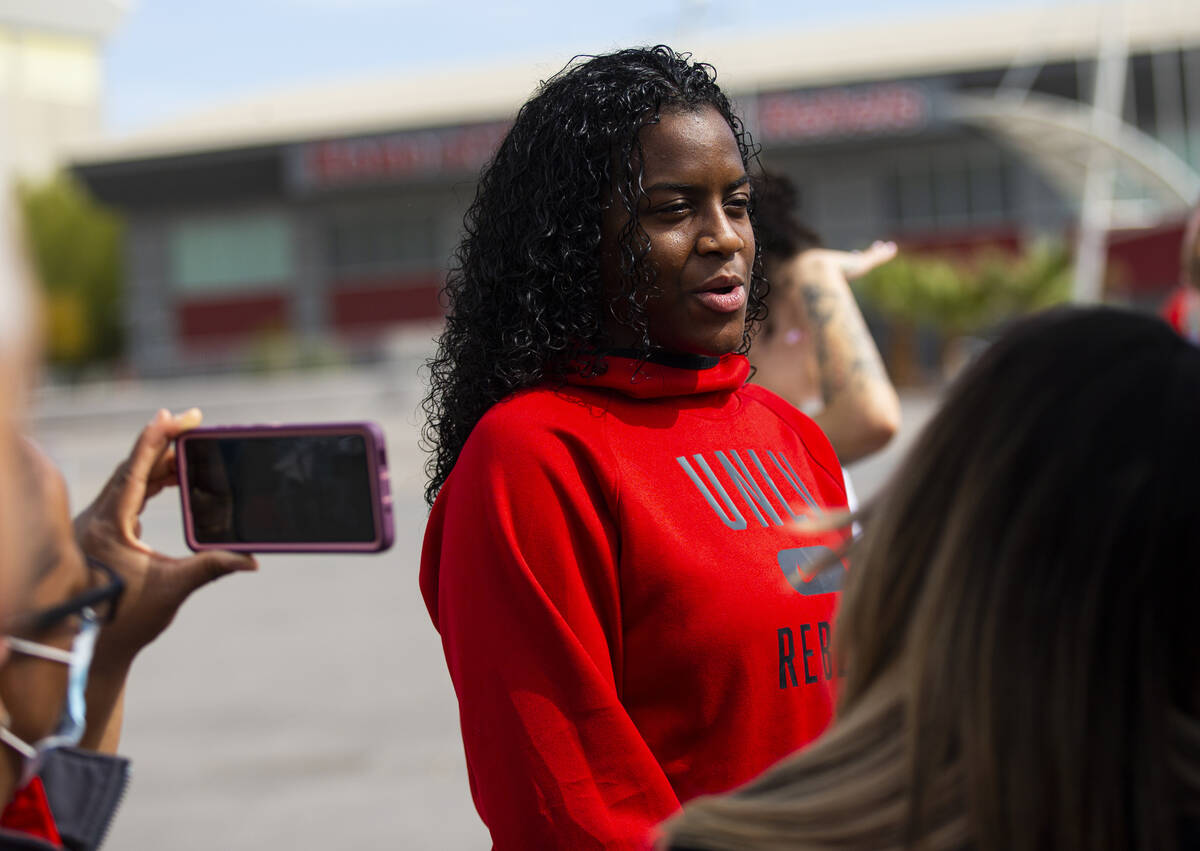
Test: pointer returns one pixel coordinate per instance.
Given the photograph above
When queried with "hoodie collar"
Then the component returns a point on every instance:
(666, 374)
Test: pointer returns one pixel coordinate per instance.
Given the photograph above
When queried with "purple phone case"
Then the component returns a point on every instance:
(380, 482)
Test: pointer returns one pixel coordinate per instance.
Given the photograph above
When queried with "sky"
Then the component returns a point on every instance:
(170, 57)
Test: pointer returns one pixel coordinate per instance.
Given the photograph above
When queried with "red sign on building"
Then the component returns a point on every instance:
(840, 112)
(422, 153)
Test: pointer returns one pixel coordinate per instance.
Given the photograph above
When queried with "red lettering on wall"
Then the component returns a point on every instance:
(833, 113)
(336, 162)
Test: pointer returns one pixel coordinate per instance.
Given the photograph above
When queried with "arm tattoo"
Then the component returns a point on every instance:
(830, 320)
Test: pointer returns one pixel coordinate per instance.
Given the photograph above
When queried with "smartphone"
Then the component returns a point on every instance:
(285, 488)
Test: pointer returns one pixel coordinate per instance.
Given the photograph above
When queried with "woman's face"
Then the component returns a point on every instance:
(695, 210)
(33, 690)
(14, 499)
(17, 367)
(12, 553)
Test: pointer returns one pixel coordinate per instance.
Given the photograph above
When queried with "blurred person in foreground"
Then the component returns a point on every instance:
(1182, 310)
(617, 610)
(1019, 628)
(17, 345)
(815, 349)
(97, 595)
(78, 602)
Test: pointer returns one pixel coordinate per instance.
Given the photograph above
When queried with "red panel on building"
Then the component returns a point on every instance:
(1144, 261)
(232, 318)
(364, 305)
(961, 242)
(1140, 262)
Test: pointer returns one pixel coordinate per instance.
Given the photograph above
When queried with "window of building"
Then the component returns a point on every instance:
(989, 191)
(915, 194)
(249, 251)
(381, 239)
(950, 189)
(952, 200)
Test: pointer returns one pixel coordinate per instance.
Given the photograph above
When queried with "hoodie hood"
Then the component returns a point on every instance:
(667, 374)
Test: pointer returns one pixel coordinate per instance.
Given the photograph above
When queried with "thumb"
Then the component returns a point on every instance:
(202, 568)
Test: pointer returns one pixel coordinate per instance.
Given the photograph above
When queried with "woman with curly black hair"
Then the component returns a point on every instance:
(610, 558)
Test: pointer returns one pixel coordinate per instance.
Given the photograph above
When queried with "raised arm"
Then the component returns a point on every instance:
(861, 411)
(155, 584)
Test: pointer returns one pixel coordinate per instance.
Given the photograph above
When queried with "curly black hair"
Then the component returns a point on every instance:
(779, 233)
(524, 297)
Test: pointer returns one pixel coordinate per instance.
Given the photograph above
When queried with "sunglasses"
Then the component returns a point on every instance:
(101, 599)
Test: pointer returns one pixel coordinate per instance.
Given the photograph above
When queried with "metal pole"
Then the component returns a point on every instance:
(1096, 206)
(1170, 124)
(1191, 72)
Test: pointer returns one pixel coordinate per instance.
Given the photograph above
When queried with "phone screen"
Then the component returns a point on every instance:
(307, 489)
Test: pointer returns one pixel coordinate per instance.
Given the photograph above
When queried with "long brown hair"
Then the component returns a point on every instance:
(1019, 627)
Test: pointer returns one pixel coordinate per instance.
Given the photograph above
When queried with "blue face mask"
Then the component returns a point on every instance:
(74, 718)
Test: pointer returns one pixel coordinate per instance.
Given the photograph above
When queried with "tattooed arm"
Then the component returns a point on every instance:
(838, 357)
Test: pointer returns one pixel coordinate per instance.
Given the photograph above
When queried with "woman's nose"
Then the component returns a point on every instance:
(720, 238)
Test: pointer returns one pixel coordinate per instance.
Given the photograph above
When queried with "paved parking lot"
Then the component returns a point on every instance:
(306, 706)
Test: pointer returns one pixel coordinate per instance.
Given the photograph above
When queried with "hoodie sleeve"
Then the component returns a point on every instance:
(519, 571)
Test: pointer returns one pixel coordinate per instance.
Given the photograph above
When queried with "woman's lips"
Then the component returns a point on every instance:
(723, 302)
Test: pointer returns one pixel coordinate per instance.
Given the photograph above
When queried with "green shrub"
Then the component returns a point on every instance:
(75, 255)
(964, 295)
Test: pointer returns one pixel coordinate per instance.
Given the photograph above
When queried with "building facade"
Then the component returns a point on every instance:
(327, 217)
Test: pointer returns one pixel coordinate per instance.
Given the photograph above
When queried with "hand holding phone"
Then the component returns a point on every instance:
(286, 488)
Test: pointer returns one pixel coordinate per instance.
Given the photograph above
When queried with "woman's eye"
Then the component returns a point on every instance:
(739, 203)
(674, 208)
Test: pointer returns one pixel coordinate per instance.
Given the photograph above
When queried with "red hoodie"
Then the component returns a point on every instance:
(608, 566)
